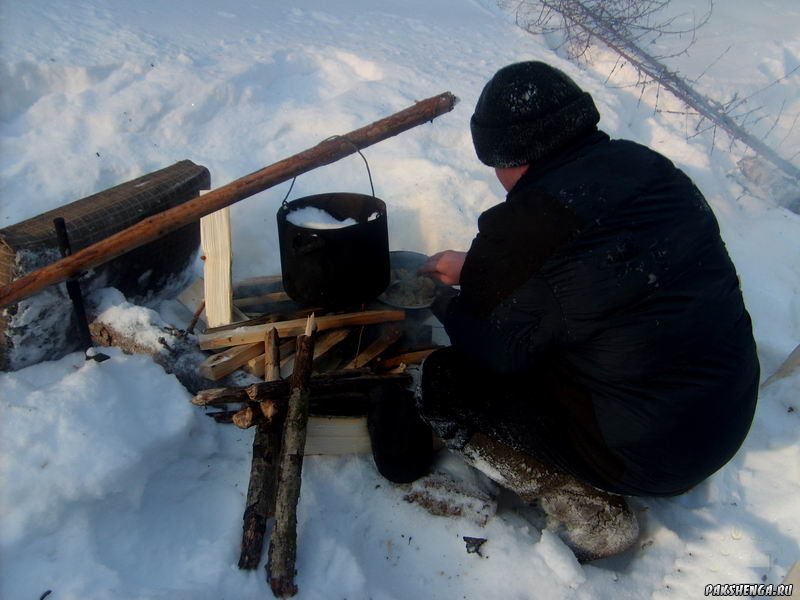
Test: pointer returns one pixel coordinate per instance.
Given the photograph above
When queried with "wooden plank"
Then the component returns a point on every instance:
(264, 319)
(253, 281)
(219, 365)
(326, 341)
(263, 299)
(215, 239)
(407, 358)
(337, 435)
(249, 335)
(239, 315)
(388, 337)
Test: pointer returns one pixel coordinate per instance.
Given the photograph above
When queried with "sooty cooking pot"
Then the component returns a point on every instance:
(339, 267)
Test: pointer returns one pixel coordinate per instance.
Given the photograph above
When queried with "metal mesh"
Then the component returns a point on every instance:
(32, 244)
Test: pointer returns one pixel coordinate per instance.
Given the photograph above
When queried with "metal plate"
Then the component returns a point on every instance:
(411, 261)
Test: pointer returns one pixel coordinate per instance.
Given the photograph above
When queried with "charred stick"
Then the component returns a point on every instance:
(263, 469)
(196, 317)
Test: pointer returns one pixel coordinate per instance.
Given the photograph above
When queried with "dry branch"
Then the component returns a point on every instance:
(263, 469)
(256, 365)
(283, 545)
(627, 28)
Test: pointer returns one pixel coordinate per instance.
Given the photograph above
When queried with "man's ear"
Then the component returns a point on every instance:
(509, 176)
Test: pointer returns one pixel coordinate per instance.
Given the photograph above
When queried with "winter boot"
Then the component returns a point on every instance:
(593, 523)
(402, 444)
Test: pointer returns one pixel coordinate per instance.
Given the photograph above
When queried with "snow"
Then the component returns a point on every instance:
(113, 485)
(316, 218)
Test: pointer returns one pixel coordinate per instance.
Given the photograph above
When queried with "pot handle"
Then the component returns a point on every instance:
(307, 243)
(285, 204)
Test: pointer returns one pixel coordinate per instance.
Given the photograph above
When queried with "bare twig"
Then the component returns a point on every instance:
(627, 27)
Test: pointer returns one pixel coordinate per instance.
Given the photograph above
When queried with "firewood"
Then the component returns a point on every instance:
(272, 358)
(222, 416)
(388, 337)
(324, 344)
(253, 281)
(256, 365)
(324, 384)
(247, 417)
(261, 490)
(283, 545)
(249, 335)
(270, 298)
(302, 313)
(219, 365)
(407, 358)
(196, 317)
(219, 396)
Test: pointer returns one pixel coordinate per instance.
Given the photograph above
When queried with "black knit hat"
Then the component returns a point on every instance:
(527, 111)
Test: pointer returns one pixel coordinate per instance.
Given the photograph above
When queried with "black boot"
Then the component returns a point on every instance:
(402, 444)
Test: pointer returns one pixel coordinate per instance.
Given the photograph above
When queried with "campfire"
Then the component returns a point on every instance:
(315, 334)
(314, 362)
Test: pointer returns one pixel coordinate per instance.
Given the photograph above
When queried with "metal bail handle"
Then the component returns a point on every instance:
(285, 204)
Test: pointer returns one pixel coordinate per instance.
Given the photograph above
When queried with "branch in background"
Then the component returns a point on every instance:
(624, 26)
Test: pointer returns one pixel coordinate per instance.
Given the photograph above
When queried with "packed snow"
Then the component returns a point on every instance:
(112, 485)
(311, 217)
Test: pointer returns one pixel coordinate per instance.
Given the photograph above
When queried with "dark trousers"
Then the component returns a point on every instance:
(540, 414)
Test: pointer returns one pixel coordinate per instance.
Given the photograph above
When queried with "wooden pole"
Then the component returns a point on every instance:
(283, 545)
(152, 228)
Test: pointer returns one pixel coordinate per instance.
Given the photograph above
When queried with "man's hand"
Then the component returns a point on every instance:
(444, 266)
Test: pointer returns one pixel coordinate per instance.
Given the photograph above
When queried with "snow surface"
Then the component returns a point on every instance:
(113, 486)
(316, 218)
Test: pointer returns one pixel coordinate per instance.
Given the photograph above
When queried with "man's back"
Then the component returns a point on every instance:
(637, 301)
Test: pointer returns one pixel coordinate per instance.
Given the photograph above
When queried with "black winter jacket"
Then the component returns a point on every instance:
(606, 264)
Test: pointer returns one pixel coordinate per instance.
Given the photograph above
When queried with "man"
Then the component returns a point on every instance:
(600, 344)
